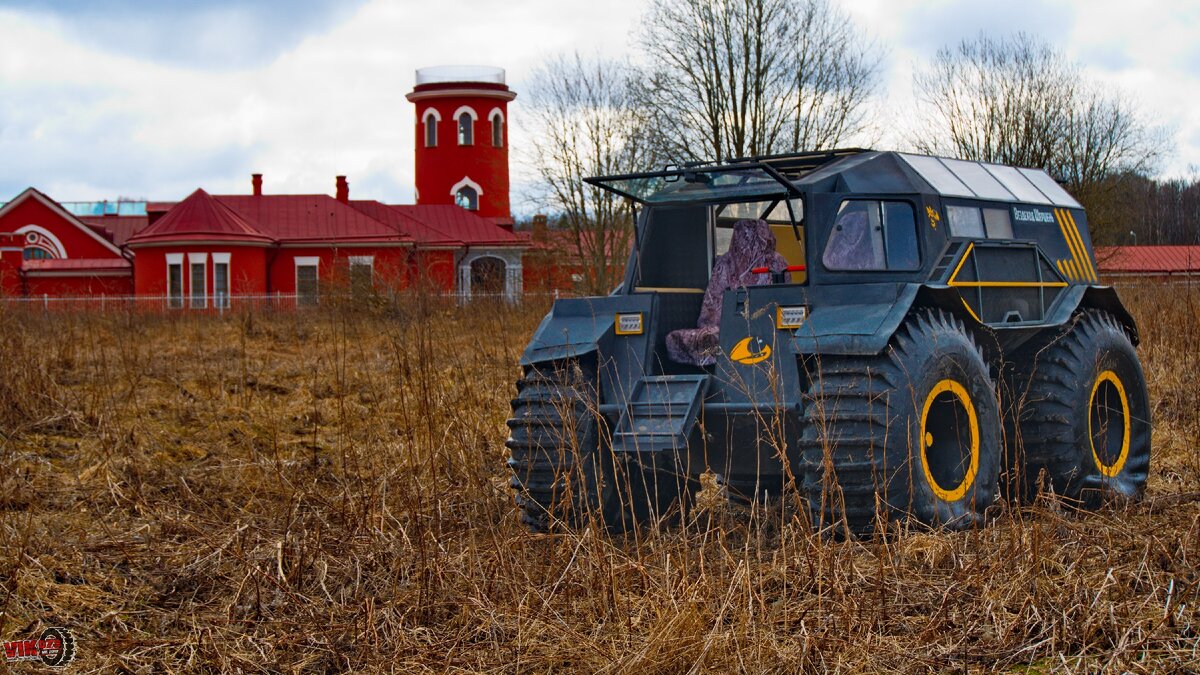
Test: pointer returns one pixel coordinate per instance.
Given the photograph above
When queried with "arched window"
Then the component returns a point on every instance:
(466, 129)
(40, 244)
(431, 119)
(497, 131)
(467, 198)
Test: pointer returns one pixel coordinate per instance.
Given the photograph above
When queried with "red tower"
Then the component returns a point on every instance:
(462, 138)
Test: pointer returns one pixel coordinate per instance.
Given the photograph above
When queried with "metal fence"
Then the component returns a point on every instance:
(220, 304)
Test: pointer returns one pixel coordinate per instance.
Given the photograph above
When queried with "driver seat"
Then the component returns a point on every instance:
(752, 245)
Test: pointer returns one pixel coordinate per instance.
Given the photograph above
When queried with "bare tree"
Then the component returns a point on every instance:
(1018, 101)
(995, 101)
(726, 78)
(583, 122)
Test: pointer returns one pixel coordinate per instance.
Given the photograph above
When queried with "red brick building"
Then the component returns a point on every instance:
(206, 249)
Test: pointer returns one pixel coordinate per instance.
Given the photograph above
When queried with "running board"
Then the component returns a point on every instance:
(660, 414)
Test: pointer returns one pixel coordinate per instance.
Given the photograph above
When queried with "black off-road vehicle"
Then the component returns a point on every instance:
(882, 335)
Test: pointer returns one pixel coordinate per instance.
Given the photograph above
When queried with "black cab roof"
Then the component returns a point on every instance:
(846, 171)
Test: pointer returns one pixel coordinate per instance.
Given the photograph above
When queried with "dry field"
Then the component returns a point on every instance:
(327, 491)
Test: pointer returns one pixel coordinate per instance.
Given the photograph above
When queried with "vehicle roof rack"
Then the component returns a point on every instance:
(793, 165)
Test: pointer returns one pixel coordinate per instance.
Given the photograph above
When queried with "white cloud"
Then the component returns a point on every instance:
(87, 119)
(1147, 51)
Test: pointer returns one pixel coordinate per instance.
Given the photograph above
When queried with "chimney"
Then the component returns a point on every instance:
(343, 189)
(256, 183)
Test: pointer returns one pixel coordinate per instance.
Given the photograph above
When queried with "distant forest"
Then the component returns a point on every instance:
(1134, 209)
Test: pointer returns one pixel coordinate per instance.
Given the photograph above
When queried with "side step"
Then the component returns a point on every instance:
(660, 414)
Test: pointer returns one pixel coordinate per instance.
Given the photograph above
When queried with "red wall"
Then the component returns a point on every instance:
(10, 266)
(434, 270)
(541, 274)
(440, 168)
(390, 266)
(247, 268)
(78, 287)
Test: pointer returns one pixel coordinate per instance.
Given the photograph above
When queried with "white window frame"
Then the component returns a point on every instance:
(467, 182)
(367, 261)
(219, 300)
(175, 259)
(200, 259)
(495, 114)
(437, 117)
(307, 261)
(469, 111)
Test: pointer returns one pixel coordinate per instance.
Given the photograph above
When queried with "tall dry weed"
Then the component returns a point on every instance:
(326, 490)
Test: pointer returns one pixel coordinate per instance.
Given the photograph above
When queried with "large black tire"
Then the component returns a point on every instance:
(563, 468)
(912, 433)
(1079, 412)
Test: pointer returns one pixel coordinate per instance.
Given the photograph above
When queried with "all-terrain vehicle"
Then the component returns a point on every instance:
(881, 335)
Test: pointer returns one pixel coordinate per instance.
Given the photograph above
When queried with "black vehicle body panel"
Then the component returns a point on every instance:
(1010, 289)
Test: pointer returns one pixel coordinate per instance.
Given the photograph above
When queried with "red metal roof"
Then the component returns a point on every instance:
(200, 217)
(461, 224)
(118, 228)
(421, 232)
(321, 218)
(75, 264)
(316, 218)
(1149, 260)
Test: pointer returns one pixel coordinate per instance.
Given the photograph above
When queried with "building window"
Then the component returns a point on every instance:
(362, 281)
(175, 280)
(497, 130)
(466, 129)
(467, 198)
(221, 280)
(198, 280)
(306, 281)
(431, 120)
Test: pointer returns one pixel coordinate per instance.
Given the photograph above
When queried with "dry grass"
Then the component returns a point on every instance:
(327, 491)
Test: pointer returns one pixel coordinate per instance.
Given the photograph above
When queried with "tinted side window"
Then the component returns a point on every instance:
(964, 221)
(900, 223)
(999, 224)
(873, 235)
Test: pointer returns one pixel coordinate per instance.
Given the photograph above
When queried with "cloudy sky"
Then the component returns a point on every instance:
(107, 98)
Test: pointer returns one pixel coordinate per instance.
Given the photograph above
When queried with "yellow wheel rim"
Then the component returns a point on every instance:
(1110, 470)
(930, 436)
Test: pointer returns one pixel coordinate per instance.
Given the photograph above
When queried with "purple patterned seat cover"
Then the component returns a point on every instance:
(752, 245)
(850, 246)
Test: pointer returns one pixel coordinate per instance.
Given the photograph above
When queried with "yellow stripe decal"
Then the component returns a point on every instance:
(972, 312)
(1061, 270)
(967, 254)
(1010, 284)
(1087, 259)
(1062, 225)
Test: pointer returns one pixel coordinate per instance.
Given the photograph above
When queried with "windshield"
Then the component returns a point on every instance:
(711, 184)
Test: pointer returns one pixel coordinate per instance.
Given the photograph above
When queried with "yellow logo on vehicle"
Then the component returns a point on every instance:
(750, 350)
(934, 216)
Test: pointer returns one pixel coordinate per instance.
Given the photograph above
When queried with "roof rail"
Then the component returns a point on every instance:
(796, 164)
